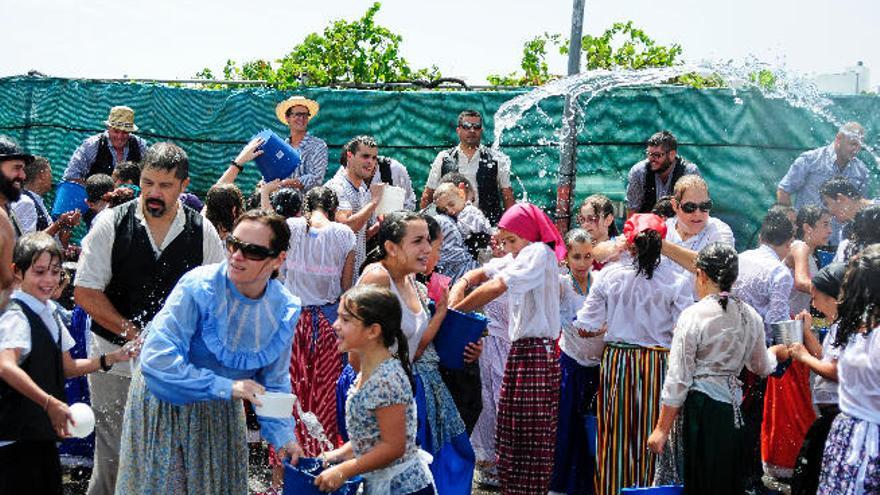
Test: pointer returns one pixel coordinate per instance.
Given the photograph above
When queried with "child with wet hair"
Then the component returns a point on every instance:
(475, 228)
(713, 340)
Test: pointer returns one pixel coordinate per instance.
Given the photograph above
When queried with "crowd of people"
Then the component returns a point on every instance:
(637, 349)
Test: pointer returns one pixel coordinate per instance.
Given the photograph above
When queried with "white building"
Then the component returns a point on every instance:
(852, 81)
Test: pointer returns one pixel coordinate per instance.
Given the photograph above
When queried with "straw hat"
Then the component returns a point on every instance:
(121, 118)
(281, 108)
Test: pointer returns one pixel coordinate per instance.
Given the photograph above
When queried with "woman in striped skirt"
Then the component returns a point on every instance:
(636, 302)
(527, 408)
(319, 267)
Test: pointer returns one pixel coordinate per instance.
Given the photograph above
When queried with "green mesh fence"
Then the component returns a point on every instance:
(743, 143)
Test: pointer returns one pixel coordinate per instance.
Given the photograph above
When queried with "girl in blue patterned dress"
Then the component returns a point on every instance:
(380, 412)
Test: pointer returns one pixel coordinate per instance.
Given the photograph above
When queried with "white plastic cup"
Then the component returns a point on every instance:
(84, 418)
(392, 200)
(275, 405)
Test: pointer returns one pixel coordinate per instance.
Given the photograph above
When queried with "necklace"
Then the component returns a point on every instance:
(577, 285)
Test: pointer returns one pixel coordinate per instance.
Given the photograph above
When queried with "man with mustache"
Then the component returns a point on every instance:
(656, 175)
(99, 154)
(13, 160)
(131, 259)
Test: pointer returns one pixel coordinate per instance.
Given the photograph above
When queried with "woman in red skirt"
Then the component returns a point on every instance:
(527, 408)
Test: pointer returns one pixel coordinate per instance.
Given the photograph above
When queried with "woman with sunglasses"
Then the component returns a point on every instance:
(223, 335)
(403, 250)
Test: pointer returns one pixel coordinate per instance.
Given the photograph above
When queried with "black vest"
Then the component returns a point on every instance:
(20, 417)
(141, 282)
(649, 199)
(487, 180)
(43, 220)
(385, 170)
(103, 163)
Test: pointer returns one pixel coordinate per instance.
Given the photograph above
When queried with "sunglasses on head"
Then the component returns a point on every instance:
(690, 207)
(471, 126)
(253, 252)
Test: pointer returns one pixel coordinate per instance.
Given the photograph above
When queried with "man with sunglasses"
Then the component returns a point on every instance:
(296, 112)
(131, 258)
(487, 168)
(656, 175)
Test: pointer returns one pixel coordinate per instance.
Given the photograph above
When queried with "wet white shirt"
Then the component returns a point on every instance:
(710, 346)
(637, 310)
(315, 259)
(586, 351)
(532, 281)
(859, 371)
(765, 283)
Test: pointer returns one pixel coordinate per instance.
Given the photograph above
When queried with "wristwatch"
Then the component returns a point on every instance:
(104, 365)
(236, 165)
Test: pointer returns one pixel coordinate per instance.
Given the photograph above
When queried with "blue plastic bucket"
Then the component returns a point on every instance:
(457, 331)
(279, 159)
(69, 196)
(300, 479)
(591, 423)
(825, 257)
(655, 490)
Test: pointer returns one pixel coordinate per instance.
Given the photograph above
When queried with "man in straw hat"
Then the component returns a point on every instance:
(100, 153)
(296, 112)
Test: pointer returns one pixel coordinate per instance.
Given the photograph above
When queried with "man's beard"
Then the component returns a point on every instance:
(157, 209)
(8, 189)
(664, 167)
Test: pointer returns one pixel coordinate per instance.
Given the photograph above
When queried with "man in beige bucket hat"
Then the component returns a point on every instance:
(296, 112)
(100, 153)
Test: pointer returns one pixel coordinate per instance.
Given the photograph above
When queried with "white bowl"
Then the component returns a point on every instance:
(275, 405)
(392, 200)
(84, 418)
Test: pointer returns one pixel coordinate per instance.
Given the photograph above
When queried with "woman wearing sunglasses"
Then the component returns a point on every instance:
(224, 334)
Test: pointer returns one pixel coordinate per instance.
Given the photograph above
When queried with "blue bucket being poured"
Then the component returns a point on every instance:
(279, 160)
(300, 479)
(457, 331)
(69, 196)
(655, 490)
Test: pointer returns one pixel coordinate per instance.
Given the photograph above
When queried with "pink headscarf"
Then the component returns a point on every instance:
(532, 224)
(641, 222)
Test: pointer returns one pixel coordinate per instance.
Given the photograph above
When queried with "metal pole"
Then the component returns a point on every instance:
(568, 153)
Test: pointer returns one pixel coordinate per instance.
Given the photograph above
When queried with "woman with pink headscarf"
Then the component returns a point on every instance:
(527, 408)
(635, 303)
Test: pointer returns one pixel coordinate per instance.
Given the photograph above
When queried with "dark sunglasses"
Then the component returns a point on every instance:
(253, 252)
(656, 154)
(692, 207)
(298, 115)
(471, 126)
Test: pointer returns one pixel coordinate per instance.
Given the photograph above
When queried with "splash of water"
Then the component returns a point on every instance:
(795, 89)
(313, 426)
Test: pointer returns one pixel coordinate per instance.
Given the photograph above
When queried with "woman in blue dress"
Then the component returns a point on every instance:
(223, 335)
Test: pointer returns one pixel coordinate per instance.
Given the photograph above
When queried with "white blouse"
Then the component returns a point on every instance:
(313, 268)
(825, 390)
(799, 301)
(637, 310)
(532, 281)
(859, 371)
(586, 351)
(498, 310)
(765, 283)
(710, 346)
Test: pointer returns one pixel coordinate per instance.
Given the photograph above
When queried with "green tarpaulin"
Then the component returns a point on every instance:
(742, 142)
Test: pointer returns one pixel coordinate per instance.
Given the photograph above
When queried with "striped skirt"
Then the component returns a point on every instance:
(630, 381)
(193, 448)
(315, 366)
(527, 415)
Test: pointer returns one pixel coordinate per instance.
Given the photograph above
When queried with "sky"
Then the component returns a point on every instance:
(174, 39)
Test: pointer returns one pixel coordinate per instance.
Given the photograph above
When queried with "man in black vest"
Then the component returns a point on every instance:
(13, 160)
(30, 210)
(100, 153)
(656, 175)
(131, 259)
(487, 168)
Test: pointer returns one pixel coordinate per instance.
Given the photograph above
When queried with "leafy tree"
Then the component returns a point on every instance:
(359, 51)
(533, 64)
(636, 49)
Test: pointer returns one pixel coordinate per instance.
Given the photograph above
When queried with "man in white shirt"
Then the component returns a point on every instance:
(489, 169)
(30, 210)
(358, 198)
(131, 259)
